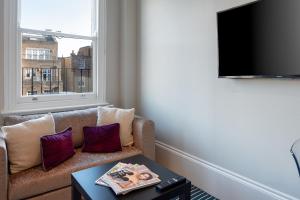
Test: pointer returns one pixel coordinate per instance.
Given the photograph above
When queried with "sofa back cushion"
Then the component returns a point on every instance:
(23, 142)
(76, 119)
(124, 117)
(17, 119)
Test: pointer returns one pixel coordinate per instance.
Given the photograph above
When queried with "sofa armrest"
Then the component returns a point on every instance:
(144, 136)
(3, 169)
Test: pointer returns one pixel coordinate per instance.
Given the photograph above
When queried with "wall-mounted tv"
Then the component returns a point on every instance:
(260, 39)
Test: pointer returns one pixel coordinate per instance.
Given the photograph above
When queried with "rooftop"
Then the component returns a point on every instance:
(38, 38)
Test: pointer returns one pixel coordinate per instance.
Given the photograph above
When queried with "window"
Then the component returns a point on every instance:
(31, 93)
(37, 54)
(46, 74)
(81, 82)
(27, 73)
(55, 46)
(71, 44)
(47, 91)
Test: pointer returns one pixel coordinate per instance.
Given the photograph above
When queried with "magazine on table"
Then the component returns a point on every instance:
(123, 178)
(114, 169)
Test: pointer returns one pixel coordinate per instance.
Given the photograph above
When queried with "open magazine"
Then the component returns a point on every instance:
(123, 178)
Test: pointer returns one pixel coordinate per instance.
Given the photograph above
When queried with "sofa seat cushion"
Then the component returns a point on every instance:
(35, 181)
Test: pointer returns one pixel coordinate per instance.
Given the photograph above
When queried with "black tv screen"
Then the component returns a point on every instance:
(260, 39)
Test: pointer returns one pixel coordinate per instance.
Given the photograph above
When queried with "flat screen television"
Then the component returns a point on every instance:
(260, 39)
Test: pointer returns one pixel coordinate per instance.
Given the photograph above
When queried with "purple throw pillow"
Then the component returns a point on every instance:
(102, 139)
(56, 148)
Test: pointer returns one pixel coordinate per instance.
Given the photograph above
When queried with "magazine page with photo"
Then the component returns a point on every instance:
(124, 178)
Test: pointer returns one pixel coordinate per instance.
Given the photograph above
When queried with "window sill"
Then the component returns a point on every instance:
(54, 109)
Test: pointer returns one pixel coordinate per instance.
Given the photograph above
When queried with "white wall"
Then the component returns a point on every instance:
(245, 126)
(1, 56)
(128, 53)
(113, 52)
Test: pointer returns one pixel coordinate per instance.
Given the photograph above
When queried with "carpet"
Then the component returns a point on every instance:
(198, 194)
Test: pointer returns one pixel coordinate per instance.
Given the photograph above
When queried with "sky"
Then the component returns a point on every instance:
(67, 16)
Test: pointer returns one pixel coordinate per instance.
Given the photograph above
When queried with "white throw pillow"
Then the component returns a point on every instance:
(23, 142)
(124, 117)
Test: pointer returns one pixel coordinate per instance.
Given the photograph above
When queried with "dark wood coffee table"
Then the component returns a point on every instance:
(83, 183)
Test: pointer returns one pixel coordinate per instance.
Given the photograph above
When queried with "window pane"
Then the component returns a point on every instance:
(67, 16)
(53, 65)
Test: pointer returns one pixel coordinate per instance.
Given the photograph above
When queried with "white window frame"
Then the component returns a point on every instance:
(13, 99)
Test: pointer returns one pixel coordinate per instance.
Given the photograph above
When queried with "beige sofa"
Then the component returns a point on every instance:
(55, 184)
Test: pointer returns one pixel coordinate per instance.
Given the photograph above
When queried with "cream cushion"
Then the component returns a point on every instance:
(23, 142)
(124, 117)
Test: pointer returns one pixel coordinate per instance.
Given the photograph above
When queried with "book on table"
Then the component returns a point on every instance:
(123, 178)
